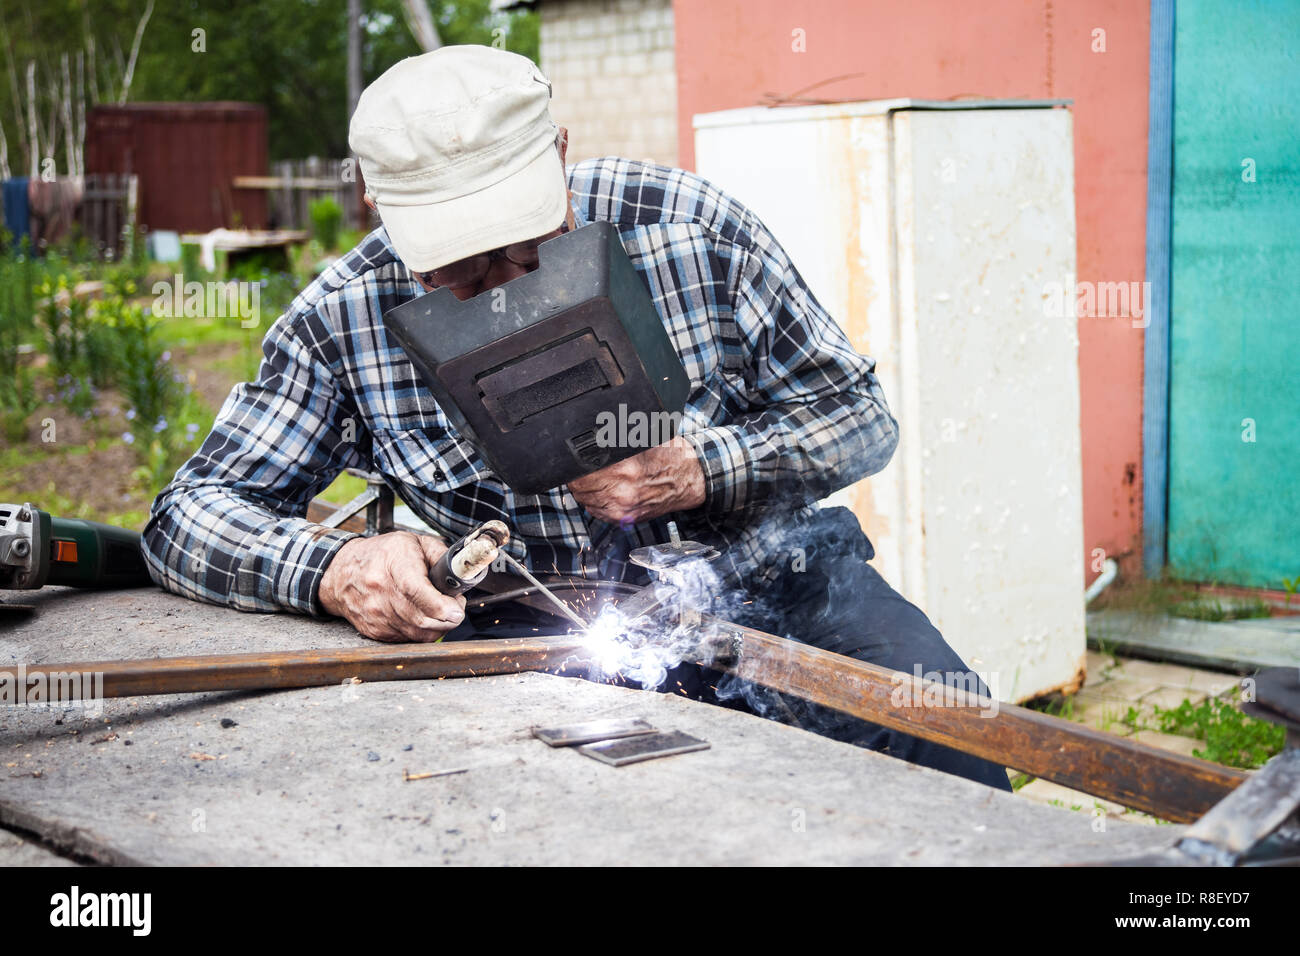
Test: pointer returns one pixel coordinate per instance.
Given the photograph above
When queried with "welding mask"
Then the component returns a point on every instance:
(557, 373)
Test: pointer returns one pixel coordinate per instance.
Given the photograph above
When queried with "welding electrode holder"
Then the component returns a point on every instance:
(466, 562)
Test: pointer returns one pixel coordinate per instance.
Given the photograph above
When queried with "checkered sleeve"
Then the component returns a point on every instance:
(229, 528)
(817, 419)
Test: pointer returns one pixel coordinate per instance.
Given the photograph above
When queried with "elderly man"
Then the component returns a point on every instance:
(466, 169)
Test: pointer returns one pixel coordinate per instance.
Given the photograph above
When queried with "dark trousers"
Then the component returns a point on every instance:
(826, 596)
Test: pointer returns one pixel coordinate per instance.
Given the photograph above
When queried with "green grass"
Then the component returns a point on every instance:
(1212, 609)
(1231, 737)
(1184, 599)
(344, 488)
(1054, 705)
(62, 506)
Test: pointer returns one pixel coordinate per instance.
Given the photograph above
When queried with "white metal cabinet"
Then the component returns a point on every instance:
(933, 233)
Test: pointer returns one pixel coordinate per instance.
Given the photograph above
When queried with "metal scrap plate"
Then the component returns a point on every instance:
(593, 730)
(648, 747)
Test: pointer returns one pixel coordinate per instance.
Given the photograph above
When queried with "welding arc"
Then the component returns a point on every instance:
(546, 592)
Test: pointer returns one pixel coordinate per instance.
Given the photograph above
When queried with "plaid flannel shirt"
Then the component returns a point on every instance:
(782, 412)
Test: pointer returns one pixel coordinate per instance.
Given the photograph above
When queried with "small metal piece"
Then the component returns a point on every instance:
(665, 557)
(379, 513)
(591, 731)
(543, 589)
(616, 753)
(721, 646)
(377, 500)
(667, 563)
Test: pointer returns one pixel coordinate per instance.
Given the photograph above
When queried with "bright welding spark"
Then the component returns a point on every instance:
(607, 640)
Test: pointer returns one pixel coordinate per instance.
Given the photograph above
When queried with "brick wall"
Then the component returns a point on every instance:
(613, 76)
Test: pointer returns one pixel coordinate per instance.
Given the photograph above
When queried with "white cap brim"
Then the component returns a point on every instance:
(531, 203)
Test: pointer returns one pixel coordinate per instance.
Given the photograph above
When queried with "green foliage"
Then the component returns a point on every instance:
(348, 239)
(81, 351)
(190, 265)
(174, 440)
(1291, 585)
(1020, 780)
(143, 371)
(18, 397)
(288, 55)
(57, 503)
(326, 218)
(1054, 705)
(1231, 737)
(1212, 609)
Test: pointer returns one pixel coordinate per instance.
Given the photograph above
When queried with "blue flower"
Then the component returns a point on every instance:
(159, 425)
(128, 437)
(130, 414)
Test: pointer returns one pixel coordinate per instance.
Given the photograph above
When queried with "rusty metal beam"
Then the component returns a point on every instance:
(319, 668)
(1166, 784)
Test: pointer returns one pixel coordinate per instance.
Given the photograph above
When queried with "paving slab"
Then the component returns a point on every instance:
(1100, 713)
(1099, 667)
(1167, 698)
(317, 776)
(1122, 688)
(1078, 802)
(1204, 682)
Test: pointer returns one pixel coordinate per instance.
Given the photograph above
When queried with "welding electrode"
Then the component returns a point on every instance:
(467, 562)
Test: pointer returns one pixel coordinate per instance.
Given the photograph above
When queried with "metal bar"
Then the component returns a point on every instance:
(320, 668)
(353, 507)
(546, 592)
(1166, 784)
(1251, 813)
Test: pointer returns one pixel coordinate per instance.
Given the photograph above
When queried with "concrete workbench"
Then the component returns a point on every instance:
(315, 776)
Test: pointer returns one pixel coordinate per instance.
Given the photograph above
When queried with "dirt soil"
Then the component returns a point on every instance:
(102, 477)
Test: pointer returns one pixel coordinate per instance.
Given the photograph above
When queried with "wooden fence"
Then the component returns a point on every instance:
(107, 211)
(295, 183)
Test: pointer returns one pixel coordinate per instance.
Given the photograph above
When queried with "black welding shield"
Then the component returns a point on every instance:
(556, 373)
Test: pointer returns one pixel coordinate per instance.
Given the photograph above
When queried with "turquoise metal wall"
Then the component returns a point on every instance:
(1234, 337)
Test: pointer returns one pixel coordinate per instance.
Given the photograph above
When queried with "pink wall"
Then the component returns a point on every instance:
(731, 53)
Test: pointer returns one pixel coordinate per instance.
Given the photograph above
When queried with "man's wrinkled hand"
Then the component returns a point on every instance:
(381, 585)
(659, 480)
